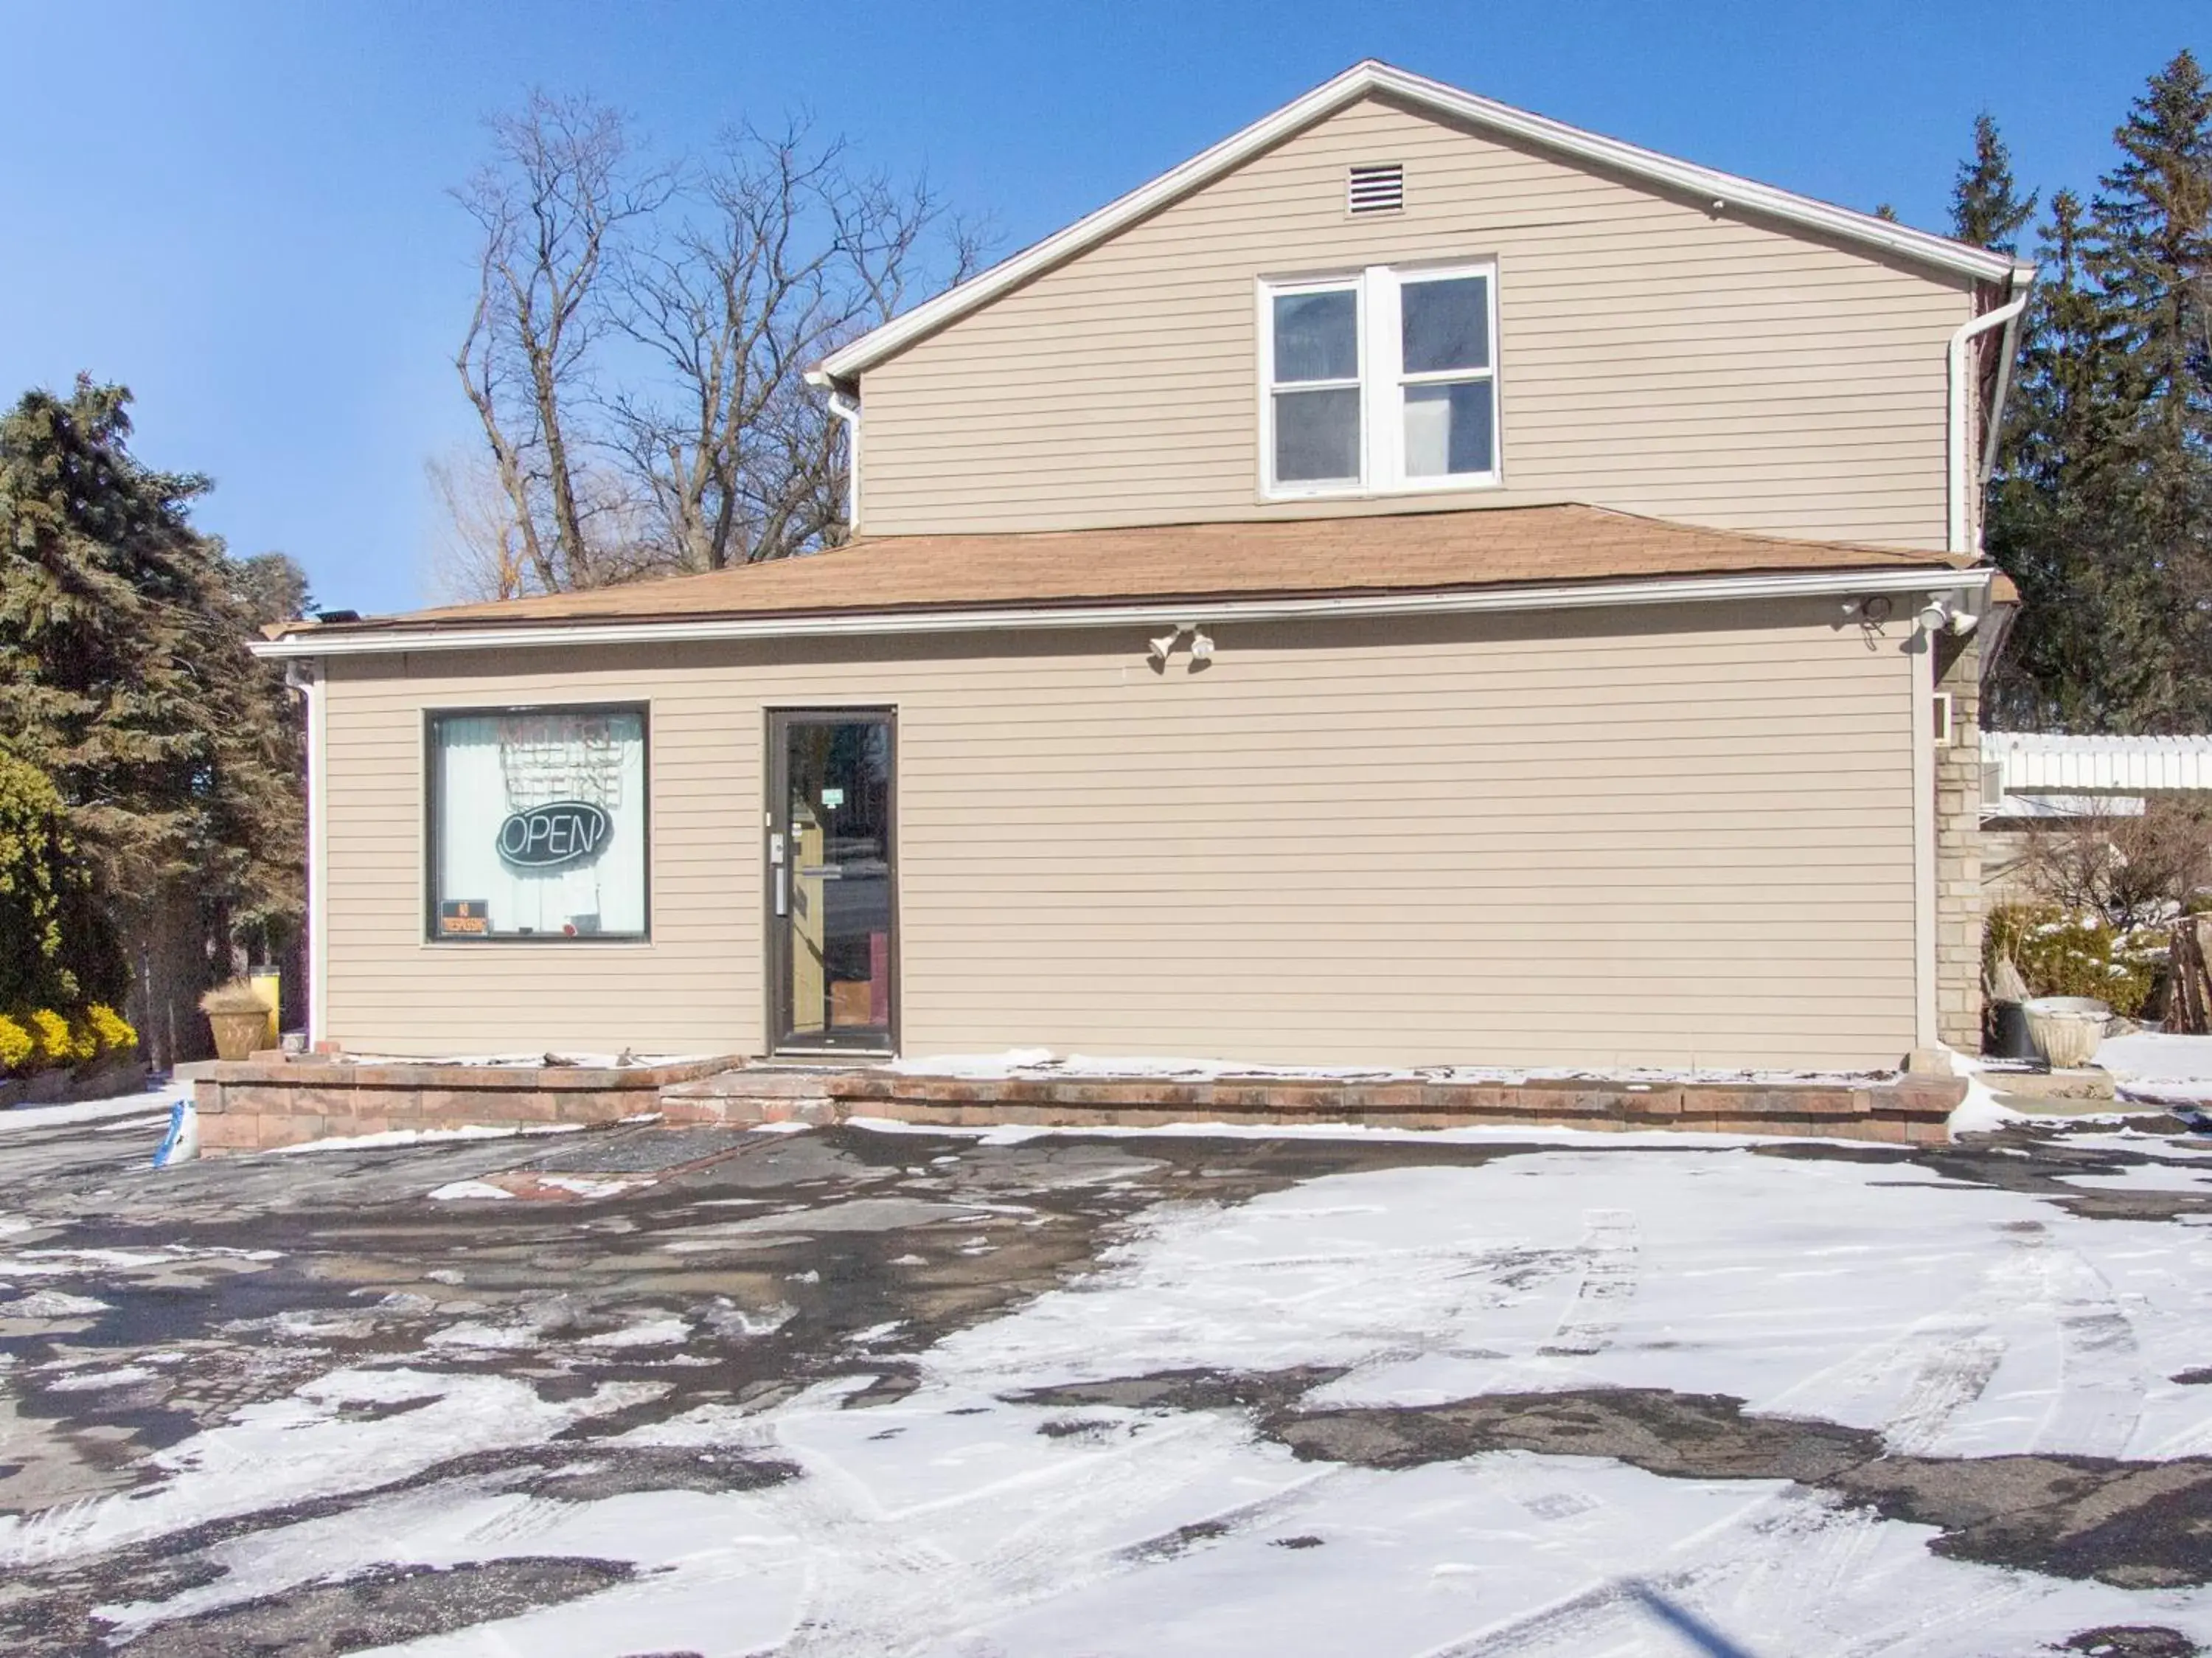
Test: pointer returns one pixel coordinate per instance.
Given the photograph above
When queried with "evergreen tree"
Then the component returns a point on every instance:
(125, 678)
(2152, 255)
(271, 587)
(2101, 508)
(1987, 207)
(2089, 650)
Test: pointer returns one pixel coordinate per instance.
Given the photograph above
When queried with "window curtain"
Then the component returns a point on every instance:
(490, 766)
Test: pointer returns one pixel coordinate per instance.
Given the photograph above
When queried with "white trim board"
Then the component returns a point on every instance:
(1728, 192)
(316, 642)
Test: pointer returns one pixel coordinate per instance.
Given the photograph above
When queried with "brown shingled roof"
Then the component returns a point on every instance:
(1403, 553)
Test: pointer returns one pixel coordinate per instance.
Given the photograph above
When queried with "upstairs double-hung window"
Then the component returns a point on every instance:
(1382, 382)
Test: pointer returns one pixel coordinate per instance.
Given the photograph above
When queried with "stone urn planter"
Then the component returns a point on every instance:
(238, 1017)
(2066, 1029)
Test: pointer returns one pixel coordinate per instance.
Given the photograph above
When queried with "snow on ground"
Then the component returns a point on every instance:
(1956, 1319)
(1960, 1321)
(1496, 1134)
(416, 1137)
(142, 1101)
(2154, 1065)
(2146, 1176)
(337, 1433)
(1043, 1063)
(541, 1058)
(454, 1191)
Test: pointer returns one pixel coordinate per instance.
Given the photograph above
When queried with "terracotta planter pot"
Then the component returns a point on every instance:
(238, 1034)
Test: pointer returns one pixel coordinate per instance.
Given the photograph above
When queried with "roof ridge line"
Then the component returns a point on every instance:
(1368, 76)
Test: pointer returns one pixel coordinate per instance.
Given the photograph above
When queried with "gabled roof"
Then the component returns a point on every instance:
(897, 581)
(1370, 79)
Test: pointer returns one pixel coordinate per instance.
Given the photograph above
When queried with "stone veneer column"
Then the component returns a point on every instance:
(1958, 849)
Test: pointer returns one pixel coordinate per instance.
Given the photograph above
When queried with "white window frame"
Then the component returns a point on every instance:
(1382, 382)
(1353, 283)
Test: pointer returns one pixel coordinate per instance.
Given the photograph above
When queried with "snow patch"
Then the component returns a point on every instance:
(2145, 1177)
(651, 1332)
(1043, 1064)
(95, 1110)
(346, 1431)
(455, 1190)
(416, 1137)
(1501, 1134)
(51, 1304)
(87, 1381)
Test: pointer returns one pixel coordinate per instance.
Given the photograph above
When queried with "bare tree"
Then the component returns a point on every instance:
(784, 253)
(2134, 871)
(562, 187)
(638, 350)
(480, 553)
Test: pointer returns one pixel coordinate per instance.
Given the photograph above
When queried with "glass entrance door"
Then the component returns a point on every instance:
(832, 910)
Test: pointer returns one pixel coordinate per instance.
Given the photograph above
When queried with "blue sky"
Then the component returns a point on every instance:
(240, 210)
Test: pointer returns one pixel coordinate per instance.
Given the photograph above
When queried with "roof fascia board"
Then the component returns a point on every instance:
(1371, 78)
(1932, 579)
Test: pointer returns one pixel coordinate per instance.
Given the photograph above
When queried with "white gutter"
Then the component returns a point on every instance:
(1961, 474)
(1721, 589)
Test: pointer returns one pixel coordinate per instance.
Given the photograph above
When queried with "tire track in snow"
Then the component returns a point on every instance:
(897, 1581)
(1953, 1355)
(1611, 1275)
(2102, 1382)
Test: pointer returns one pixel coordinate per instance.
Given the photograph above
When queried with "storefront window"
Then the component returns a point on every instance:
(538, 824)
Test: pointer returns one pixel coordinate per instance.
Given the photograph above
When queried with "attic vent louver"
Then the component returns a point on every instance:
(1379, 189)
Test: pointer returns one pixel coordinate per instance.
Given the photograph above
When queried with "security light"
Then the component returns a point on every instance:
(1163, 644)
(1202, 647)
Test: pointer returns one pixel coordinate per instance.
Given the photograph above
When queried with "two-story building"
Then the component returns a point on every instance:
(1416, 583)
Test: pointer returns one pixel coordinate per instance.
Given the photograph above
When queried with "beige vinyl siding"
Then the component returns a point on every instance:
(1653, 355)
(1662, 836)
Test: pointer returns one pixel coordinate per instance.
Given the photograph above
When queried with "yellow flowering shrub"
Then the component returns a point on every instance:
(57, 1042)
(112, 1031)
(16, 1044)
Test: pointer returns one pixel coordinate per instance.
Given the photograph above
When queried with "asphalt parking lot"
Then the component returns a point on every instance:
(652, 1391)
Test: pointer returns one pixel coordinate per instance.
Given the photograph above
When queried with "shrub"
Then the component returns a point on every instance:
(57, 948)
(109, 1029)
(57, 1042)
(2060, 952)
(16, 1044)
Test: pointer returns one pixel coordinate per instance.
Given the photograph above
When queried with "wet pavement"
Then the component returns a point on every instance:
(581, 1321)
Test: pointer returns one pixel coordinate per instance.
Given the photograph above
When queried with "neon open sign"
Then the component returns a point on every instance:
(560, 831)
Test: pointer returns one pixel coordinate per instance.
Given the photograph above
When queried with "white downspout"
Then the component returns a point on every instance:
(1920, 674)
(2010, 349)
(307, 678)
(849, 411)
(1962, 473)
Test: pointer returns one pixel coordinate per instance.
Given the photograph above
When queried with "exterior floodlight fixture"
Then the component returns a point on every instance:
(1201, 646)
(1163, 646)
